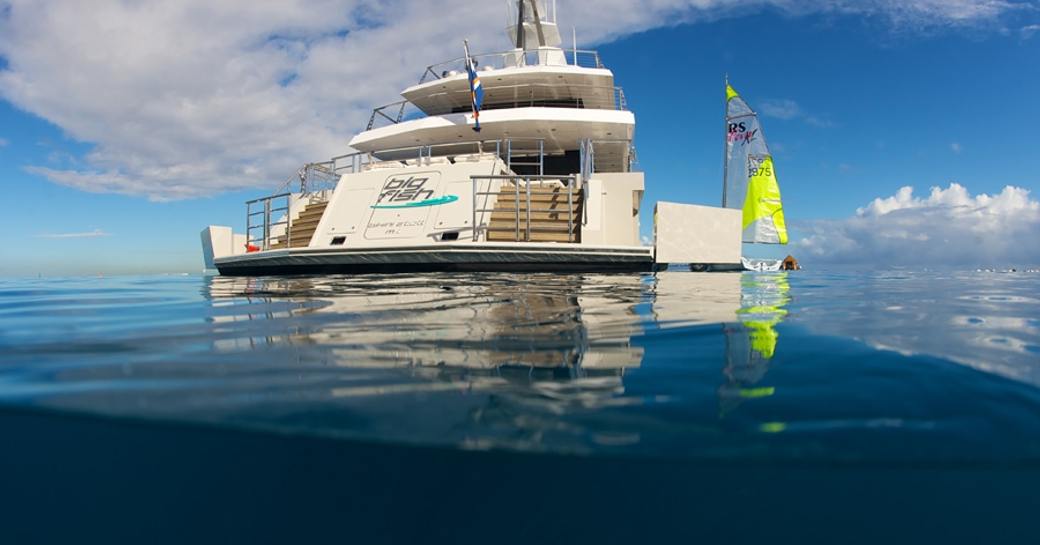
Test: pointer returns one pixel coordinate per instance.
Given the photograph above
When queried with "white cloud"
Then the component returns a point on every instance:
(96, 233)
(1028, 30)
(3, 142)
(949, 226)
(785, 108)
(191, 97)
(955, 147)
(780, 108)
(818, 121)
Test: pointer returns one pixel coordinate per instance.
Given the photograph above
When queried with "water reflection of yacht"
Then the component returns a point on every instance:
(534, 328)
(547, 184)
(579, 323)
(515, 361)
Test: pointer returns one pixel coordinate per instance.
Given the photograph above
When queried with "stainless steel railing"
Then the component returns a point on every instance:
(481, 211)
(518, 96)
(514, 58)
(268, 207)
(514, 151)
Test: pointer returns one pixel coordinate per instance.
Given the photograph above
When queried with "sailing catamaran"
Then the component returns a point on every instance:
(516, 160)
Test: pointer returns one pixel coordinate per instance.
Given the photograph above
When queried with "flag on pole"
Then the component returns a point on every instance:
(476, 90)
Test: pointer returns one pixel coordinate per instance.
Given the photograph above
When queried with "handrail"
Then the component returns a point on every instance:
(616, 102)
(514, 58)
(264, 241)
(395, 120)
(504, 148)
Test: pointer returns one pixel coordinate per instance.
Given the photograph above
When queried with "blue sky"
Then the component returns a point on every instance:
(855, 106)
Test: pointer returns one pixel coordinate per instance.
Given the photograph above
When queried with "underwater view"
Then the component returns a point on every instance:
(491, 406)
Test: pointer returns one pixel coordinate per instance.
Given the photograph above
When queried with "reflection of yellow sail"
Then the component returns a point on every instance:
(761, 318)
(763, 338)
(750, 346)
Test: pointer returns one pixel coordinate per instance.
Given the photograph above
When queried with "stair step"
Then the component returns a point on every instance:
(547, 191)
(543, 227)
(553, 217)
(510, 204)
(502, 236)
(511, 215)
(534, 195)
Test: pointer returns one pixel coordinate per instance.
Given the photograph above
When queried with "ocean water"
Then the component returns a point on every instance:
(826, 406)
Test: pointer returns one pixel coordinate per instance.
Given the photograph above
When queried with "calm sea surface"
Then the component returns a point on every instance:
(858, 371)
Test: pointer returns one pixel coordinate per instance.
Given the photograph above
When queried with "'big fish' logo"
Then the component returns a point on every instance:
(409, 193)
(738, 133)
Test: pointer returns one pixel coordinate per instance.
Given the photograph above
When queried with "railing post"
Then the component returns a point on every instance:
(267, 224)
(541, 157)
(475, 182)
(249, 218)
(509, 154)
(570, 210)
(516, 187)
(288, 221)
(527, 186)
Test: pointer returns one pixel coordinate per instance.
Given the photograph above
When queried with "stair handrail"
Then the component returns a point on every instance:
(266, 224)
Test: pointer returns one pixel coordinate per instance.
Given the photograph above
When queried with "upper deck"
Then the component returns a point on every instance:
(546, 76)
(562, 96)
(536, 90)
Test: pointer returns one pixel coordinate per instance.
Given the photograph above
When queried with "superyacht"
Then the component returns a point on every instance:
(519, 160)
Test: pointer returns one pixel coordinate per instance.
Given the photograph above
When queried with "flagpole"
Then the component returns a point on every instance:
(725, 140)
(474, 86)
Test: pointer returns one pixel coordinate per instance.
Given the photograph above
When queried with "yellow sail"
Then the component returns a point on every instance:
(762, 202)
(750, 180)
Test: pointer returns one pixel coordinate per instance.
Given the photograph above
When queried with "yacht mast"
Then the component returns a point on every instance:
(537, 22)
(520, 25)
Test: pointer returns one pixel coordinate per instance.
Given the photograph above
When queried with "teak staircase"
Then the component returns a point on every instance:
(552, 219)
(303, 227)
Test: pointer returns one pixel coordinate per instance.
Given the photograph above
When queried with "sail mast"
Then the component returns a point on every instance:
(725, 140)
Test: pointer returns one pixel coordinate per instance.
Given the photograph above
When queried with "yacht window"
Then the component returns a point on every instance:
(338, 241)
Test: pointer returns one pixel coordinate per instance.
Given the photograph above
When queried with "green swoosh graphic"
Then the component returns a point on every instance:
(428, 202)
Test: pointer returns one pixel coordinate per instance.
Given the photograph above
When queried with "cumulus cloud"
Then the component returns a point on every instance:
(96, 233)
(192, 97)
(949, 226)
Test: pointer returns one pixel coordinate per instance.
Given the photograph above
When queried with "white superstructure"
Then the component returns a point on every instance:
(547, 184)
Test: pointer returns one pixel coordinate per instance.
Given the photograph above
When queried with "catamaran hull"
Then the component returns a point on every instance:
(409, 260)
